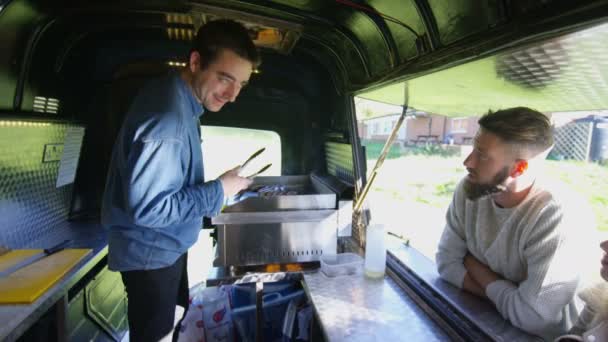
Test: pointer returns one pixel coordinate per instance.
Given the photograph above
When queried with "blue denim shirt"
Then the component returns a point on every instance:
(155, 195)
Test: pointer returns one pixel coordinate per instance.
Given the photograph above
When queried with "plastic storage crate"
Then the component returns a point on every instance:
(341, 264)
(276, 299)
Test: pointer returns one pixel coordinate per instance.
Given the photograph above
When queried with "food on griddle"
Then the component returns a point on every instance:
(268, 191)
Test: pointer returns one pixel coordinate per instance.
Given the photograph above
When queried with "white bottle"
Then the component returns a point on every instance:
(375, 251)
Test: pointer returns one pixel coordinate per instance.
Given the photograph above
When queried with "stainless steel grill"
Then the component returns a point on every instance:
(298, 224)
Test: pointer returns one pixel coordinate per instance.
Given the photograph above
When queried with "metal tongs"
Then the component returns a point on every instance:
(252, 157)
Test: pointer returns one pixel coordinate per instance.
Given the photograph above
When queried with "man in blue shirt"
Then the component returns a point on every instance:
(156, 194)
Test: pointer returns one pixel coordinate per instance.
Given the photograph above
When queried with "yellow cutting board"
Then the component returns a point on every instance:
(28, 283)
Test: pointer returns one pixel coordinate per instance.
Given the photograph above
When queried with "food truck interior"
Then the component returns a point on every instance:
(69, 69)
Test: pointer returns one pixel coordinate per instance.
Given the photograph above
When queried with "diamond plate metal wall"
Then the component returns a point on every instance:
(340, 161)
(30, 204)
(573, 141)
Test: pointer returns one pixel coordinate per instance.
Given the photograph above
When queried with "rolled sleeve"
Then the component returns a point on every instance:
(209, 193)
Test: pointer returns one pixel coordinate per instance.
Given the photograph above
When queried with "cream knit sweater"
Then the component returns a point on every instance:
(537, 247)
(592, 324)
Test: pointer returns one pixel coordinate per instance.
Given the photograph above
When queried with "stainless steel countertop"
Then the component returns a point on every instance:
(355, 308)
(16, 319)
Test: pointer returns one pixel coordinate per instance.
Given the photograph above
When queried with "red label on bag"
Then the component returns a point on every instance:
(218, 316)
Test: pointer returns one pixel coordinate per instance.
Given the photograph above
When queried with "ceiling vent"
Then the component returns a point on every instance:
(46, 105)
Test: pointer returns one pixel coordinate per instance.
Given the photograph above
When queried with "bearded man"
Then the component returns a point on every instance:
(511, 237)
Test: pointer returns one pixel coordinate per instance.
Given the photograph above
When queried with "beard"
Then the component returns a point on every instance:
(475, 191)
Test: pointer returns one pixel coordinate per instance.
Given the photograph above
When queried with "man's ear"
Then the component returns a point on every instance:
(194, 63)
(521, 166)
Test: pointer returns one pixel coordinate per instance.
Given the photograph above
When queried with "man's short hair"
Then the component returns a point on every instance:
(217, 35)
(525, 129)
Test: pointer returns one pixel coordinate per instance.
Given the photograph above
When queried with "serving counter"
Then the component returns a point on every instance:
(355, 308)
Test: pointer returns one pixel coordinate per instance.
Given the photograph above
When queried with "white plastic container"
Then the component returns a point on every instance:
(375, 251)
(335, 265)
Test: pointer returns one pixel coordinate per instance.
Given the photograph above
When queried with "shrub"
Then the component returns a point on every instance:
(431, 150)
(374, 148)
